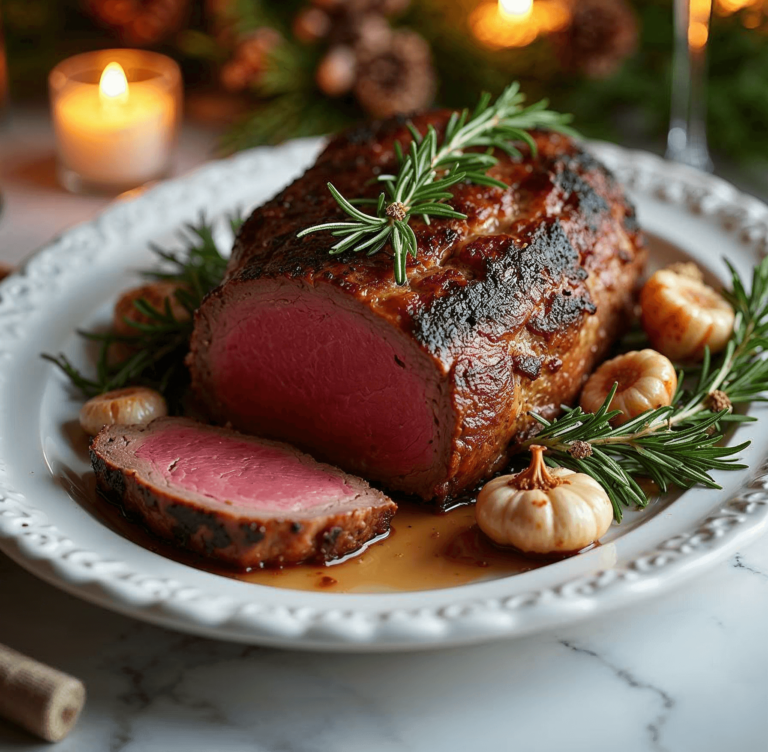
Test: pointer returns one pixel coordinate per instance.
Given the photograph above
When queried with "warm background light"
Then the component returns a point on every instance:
(698, 27)
(112, 135)
(698, 33)
(517, 23)
(753, 14)
(727, 7)
(551, 15)
(113, 85)
(515, 7)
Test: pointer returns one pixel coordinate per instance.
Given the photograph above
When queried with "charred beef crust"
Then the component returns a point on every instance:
(240, 542)
(543, 272)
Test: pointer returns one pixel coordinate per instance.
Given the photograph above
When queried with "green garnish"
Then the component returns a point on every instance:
(159, 347)
(679, 445)
(430, 167)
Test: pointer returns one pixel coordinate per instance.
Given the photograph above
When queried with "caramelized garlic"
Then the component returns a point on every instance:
(135, 405)
(544, 510)
(156, 294)
(645, 378)
(681, 315)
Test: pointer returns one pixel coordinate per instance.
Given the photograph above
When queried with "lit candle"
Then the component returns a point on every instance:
(115, 114)
(517, 23)
(516, 10)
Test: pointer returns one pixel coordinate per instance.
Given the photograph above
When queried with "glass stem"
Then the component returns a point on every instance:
(3, 72)
(687, 138)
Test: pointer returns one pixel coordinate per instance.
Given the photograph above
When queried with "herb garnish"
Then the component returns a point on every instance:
(158, 348)
(676, 445)
(431, 166)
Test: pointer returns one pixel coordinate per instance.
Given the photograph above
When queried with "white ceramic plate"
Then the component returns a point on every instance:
(72, 283)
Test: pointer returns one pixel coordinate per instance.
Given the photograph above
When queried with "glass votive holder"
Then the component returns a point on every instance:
(116, 115)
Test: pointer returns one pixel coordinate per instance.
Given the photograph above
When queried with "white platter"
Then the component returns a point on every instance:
(72, 282)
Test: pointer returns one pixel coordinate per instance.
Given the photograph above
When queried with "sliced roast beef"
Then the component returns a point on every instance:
(243, 500)
(428, 386)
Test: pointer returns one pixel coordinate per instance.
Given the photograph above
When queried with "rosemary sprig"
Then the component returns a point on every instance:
(677, 445)
(157, 350)
(430, 167)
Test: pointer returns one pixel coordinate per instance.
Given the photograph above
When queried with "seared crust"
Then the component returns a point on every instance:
(515, 305)
(241, 538)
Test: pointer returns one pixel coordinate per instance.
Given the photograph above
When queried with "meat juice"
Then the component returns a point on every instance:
(423, 551)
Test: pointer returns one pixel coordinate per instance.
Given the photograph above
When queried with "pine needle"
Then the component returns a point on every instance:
(158, 348)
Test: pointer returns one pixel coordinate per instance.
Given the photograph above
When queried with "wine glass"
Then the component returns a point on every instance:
(687, 137)
(3, 86)
(3, 71)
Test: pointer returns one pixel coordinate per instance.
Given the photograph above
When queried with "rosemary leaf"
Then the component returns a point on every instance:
(154, 354)
(430, 165)
(680, 445)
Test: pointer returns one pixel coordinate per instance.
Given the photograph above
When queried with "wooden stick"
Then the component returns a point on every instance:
(37, 697)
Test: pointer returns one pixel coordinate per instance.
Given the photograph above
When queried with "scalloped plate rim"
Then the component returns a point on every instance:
(734, 521)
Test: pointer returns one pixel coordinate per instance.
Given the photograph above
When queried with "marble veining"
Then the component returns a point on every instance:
(701, 649)
(624, 675)
(50, 532)
(684, 672)
(739, 563)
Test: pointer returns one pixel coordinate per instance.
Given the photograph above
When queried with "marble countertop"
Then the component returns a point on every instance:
(685, 671)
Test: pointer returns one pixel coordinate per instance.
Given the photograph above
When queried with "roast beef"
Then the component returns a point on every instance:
(428, 386)
(240, 499)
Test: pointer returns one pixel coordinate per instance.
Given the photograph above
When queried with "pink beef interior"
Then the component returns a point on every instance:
(244, 473)
(314, 368)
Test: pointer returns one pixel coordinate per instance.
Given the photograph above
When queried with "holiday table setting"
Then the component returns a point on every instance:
(144, 610)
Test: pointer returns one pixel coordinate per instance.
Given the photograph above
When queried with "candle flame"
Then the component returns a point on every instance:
(517, 23)
(516, 7)
(728, 7)
(113, 85)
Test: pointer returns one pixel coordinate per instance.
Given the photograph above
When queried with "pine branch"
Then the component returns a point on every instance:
(679, 445)
(430, 167)
(289, 115)
(157, 350)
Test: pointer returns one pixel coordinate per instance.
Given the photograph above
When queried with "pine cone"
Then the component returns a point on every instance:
(140, 22)
(370, 34)
(599, 37)
(347, 22)
(311, 25)
(397, 79)
(247, 65)
(336, 72)
(221, 17)
(384, 7)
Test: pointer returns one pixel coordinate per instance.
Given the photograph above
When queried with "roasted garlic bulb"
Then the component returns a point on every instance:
(645, 378)
(544, 510)
(156, 294)
(134, 405)
(681, 315)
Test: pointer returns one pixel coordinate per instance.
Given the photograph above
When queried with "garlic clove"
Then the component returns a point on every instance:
(681, 315)
(155, 294)
(646, 380)
(544, 510)
(131, 406)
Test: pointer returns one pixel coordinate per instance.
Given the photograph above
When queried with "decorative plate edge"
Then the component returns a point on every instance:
(27, 534)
